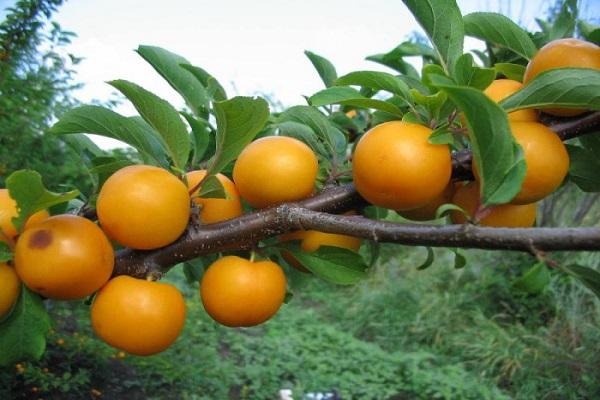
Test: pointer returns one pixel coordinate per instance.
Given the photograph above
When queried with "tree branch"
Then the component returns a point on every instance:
(236, 234)
(315, 213)
(569, 128)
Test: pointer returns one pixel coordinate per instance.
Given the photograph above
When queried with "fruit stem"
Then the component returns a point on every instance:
(153, 276)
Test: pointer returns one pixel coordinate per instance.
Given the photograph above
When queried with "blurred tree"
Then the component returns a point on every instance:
(36, 85)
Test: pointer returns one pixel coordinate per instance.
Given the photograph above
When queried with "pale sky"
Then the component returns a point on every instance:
(250, 47)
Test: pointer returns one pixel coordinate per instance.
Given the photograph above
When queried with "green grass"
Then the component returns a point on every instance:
(401, 334)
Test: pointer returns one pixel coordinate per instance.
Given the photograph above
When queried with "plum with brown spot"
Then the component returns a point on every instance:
(40, 239)
(64, 257)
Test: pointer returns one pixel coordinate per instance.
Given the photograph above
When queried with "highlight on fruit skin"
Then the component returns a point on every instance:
(467, 197)
(311, 240)
(563, 53)
(64, 257)
(237, 292)
(214, 210)
(10, 288)
(394, 166)
(138, 316)
(274, 170)
(8, 210)
(143, 207)
(499, 89)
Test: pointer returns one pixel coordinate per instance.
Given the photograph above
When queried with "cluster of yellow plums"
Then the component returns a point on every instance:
(394, 165)
(144, 207)
(68, 257)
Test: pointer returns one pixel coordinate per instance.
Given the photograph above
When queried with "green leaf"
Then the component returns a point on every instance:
(588, 276)
(324, 67)
(590, 32)
(303, 133)
(163, 117)
(194, 269)
(464, 69)
(327, 131)
(583, 168)
(467, 74)
(429, 260)
(511, 71)
(351, 97)
(443, 24)
(444, 209)
(415, 84)
(203, 138)
(483, 56)
(513, 179)
(482, 78)
(431, 70)
(411, 118)
(441, 136)
(27, 189)
(499, 162)
(377, 81)
(238, 122)
(213, 88)
(433, 102)
(23, 333)
(394, 58)
(561, 87)
(374, 212)
(6, 253)
(212, 188)
(104, 167)
(82, 144)
(500, 30)
(564, 23)
(534, 280)
(102, 121)
(459, 260)
(334, 264)
(168, 65)
(591, 142)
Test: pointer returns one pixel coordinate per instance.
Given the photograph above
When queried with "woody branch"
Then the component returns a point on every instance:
(318, 213)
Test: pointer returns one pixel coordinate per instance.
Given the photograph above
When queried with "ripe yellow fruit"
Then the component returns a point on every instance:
(274, 170)
(64, 257)
(502, 88)
(563, 53)
(546, 157)
(10, 288)
(143, 207)
(216, 210)
(138, 316)
(311, 241)
(8, 210)
(238, 292)
(506, 215)
(395, 166)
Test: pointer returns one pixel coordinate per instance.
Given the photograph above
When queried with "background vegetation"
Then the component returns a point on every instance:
(402, 334)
